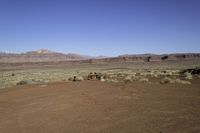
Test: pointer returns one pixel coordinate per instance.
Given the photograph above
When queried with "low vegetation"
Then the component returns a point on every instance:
(188, 76)
(166, 80)
(18, 77)
(144, 80)
(22, 82)
(170, 80)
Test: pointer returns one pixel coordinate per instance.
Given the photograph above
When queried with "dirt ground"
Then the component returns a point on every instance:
(100, 107)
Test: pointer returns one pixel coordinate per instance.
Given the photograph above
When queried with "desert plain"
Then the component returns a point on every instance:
(115, 97)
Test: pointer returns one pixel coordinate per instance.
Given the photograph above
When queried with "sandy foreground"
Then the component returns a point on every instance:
(100, 107)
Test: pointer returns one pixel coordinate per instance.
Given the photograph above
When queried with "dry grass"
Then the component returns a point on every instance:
(144, 80)
(166, 80)
(11, 78)
(182, 81)
(170, 80)
(188, 76)
(79, 78)
(102, 79)
(128, 78)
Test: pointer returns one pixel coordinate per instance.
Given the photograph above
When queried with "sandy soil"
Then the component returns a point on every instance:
(98, 107)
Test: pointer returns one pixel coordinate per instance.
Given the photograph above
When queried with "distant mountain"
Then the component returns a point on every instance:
(41, 51)
(162, 57)
(44, 55)
(137, 55)
(149, 58)
(100, 57)
(41, 55)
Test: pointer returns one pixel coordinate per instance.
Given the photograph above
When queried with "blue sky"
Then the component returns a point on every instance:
(100, 27)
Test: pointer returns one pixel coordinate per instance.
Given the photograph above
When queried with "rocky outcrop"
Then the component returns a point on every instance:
(148, 58)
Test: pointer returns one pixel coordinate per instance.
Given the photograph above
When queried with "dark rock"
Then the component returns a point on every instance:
(193, 71)
(22, 82)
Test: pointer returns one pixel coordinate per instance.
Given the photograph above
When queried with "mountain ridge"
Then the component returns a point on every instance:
(44, 55)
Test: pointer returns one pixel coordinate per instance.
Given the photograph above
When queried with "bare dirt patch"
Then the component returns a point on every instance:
(94, 106)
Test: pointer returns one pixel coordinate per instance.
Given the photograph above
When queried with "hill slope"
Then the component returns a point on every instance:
(51, 56)
(38, 56)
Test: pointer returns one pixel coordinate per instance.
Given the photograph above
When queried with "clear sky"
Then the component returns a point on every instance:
(100, 27)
